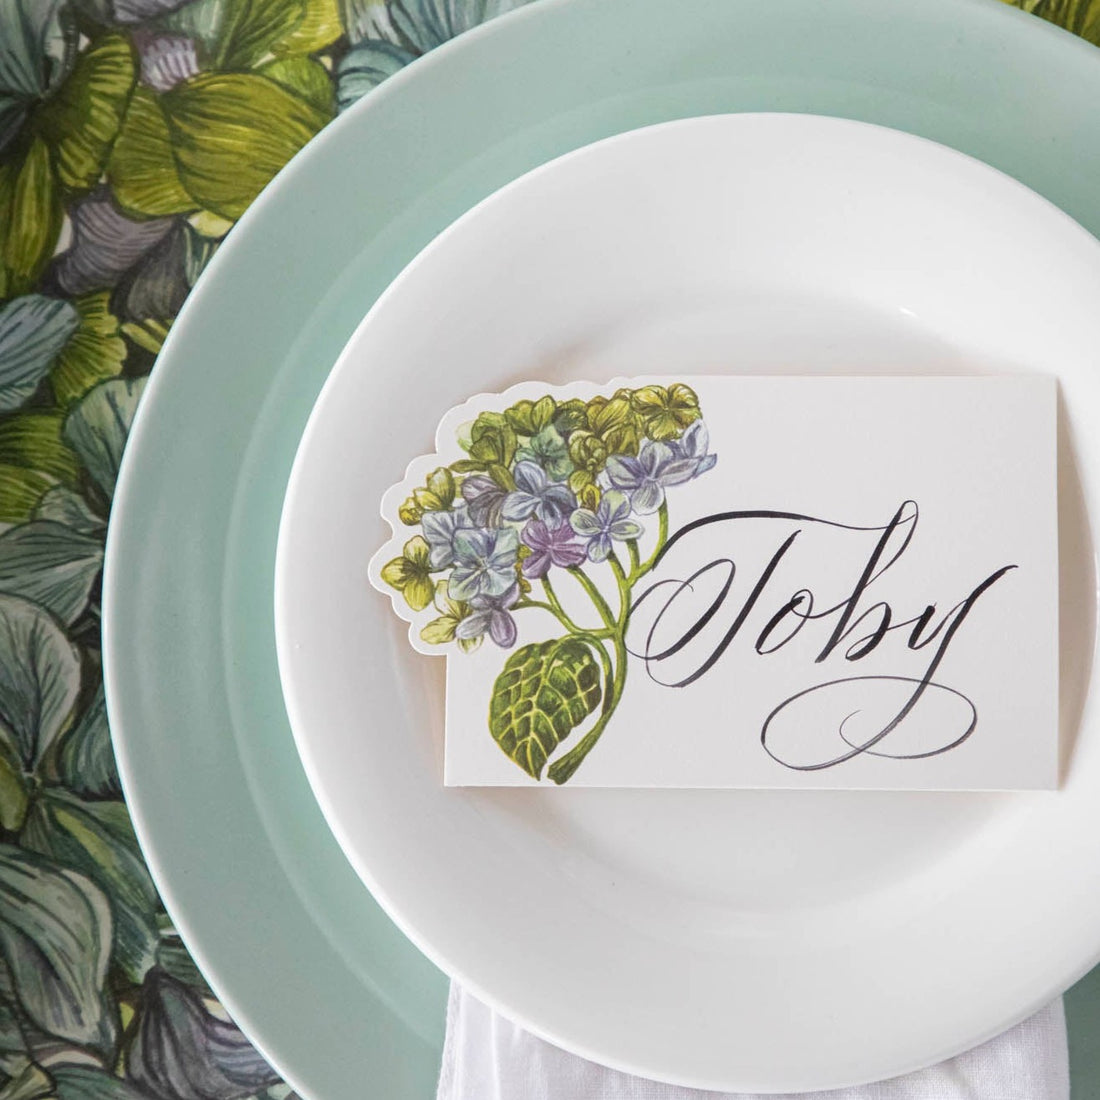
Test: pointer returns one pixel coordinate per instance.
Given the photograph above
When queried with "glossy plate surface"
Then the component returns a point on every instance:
(730, 940)
(303, 957)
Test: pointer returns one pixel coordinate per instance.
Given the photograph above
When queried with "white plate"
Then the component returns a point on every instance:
(767, 941)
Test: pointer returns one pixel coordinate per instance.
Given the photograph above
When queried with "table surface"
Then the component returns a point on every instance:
(130, 141)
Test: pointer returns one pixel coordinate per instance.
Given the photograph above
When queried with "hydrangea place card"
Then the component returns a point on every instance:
(740, 582)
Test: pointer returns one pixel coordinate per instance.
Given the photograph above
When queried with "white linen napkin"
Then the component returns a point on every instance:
(486, 1057)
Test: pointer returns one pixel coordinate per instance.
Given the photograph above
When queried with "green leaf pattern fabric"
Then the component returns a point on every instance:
(133, 133)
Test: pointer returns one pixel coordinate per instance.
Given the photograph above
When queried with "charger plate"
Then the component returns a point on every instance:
(330, 991)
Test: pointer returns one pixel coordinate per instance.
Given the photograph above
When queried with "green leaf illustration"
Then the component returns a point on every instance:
(95, 353)
(156, 288)
(20, 491)
(14, 796)
(36, 55)
(52, 565)
(55, 935)
(39, 679)
(175, 960)
(1081, 17)
(304, 77)
(232, 132)
(365, 66)
(64, 506)
(33, 439)
(425, 24)
(97, 428)
(182, 1049)
(543, 693)
(30, 218)
(13, 1039)
(142, 169)
(320, 26)
(82, 120)
(239, 34)
(30, 1083)
(252, 27)
(33, 330)
(202, 20)
(97, 839)
(85, 758)
(82, 1082)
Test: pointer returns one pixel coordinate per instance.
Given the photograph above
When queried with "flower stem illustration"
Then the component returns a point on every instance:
(548, 511)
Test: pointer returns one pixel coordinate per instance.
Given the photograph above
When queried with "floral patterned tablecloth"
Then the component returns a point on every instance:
(132, 134)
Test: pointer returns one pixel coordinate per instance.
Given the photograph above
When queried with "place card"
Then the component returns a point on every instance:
(740, 582)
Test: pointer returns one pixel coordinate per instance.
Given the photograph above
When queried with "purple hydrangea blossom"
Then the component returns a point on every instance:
(536, 495)
(491, 615)
(439, 529)
(485, 499)
(610, 521)
(550, 546)
(646, 477)
(694, 445)
(485, 563)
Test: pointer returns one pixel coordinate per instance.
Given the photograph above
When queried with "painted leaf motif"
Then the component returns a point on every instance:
(238, 34)
(252, 28)
(320, 27)
(183, 1050)
(139, 11)
(14, 796)
(232, 132)
(39, 679)
(97, 428)
(34, 56)
(365, 66)
(62, 505)
(80, 1082)
(55, 935)
(20, 492)
(303, 76)
(157, 288)
(105, 245)
(97, 840)
(425, 24)
(33, 439)
(33, 330)
(1081, 17)
(201, 20)
(85, 760)
(13, 1042)
(175, 960)
(95, 353)
(543, 693)
(81, 121)
(31, 1082)
(51, 565)
(142, 169)
(30, 218)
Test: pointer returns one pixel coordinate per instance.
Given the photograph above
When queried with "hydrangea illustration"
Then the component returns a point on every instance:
(550, 493)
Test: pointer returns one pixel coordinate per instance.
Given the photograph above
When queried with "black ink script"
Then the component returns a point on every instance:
(681, 628)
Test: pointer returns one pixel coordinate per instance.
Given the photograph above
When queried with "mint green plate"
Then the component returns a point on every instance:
(337, 999)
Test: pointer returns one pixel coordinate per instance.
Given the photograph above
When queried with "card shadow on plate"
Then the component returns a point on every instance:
(1076, 596)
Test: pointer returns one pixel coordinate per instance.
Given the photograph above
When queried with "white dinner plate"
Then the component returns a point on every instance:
(747, 940)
